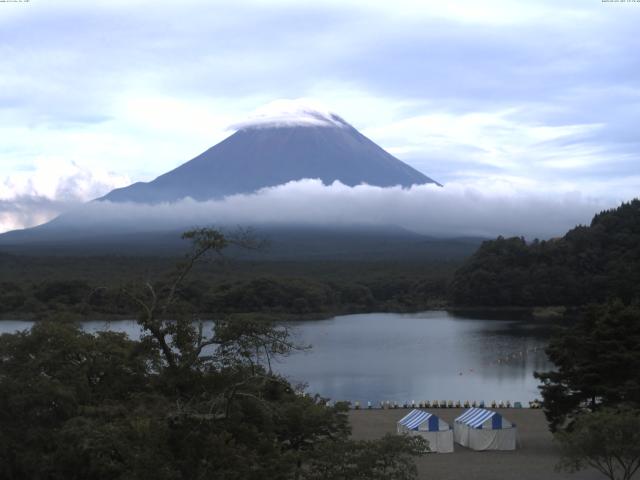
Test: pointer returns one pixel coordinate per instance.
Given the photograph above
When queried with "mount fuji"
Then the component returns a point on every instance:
(291, 142)
(287, 142)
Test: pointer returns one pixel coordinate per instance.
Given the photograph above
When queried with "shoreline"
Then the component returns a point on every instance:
(534, 459)
(522, 313)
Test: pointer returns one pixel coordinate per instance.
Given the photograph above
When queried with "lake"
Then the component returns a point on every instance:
(431, 355)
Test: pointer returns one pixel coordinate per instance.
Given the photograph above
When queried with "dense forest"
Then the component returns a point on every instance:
(590, 264)
(41, 287)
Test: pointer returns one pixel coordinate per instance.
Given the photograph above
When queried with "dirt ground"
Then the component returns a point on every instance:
(534, 459)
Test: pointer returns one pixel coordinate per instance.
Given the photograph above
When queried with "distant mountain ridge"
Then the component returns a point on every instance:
(284, 243)
(267, 154)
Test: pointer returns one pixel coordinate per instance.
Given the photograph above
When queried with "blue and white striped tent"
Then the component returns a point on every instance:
(436, 431)
(481, 429)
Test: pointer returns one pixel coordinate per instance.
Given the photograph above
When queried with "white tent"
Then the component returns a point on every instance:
(437, 432)
(481, 429)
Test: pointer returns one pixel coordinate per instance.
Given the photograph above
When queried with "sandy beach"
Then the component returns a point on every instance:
(535, 458)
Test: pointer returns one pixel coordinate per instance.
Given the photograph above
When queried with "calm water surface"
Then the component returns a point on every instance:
(402, 357)
(424, 356)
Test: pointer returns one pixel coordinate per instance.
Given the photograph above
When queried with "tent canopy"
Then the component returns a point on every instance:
(427, 425)
(418, 419)
(482, 418)
(481, 429)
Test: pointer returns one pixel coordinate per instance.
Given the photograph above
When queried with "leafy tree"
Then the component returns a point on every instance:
(67, 292)
(50, 377)
(184, 402)
(11, 297)
(597, 363)
(607, 440)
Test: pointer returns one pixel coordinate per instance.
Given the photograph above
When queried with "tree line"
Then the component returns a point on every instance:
(262, 294)
(590, 264)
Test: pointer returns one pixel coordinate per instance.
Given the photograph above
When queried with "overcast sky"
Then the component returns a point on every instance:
(540, 96)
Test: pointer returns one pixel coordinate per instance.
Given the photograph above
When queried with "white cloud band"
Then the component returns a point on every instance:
(455, 210)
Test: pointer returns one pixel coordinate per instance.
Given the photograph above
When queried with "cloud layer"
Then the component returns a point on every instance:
(35, 196)
(539, 94)
(286, 113)
(179, 73)
(454, 210)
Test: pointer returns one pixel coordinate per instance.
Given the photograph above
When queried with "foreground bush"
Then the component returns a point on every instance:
(607, 440)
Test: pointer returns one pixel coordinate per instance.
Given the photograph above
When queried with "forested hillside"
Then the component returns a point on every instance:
(40, 287)
(589, 264)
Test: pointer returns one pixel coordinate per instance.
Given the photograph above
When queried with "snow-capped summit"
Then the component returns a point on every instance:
(291, 113)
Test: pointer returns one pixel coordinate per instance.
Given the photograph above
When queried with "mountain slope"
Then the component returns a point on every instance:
(267, 155)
